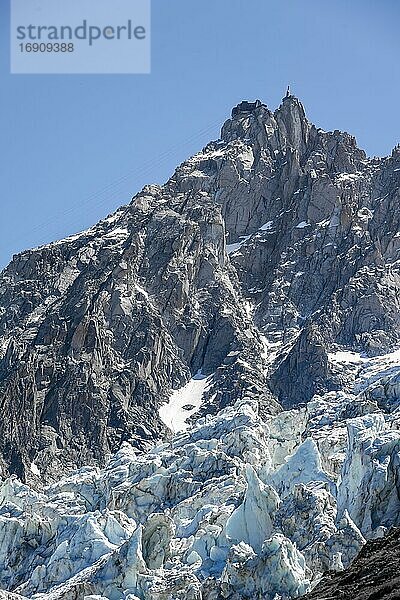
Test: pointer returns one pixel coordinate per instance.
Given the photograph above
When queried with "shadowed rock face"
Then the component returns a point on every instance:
(99, 328)
(266, 251)
(374, 575)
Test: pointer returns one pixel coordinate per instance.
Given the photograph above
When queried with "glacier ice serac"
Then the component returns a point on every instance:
(235, 506)
(201, 393)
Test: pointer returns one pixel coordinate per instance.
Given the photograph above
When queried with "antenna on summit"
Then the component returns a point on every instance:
(288, 91)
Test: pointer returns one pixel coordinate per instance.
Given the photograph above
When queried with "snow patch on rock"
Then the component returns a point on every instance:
(183, 403)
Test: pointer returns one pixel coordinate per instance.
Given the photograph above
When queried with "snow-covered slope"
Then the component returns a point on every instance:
(184, 403)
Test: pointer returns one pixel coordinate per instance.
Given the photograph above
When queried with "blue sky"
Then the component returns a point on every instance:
(74, 148)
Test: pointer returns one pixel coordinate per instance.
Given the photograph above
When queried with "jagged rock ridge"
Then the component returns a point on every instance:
(263, 274)
(97, 329)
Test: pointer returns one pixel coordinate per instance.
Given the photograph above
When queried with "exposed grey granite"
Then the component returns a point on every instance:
(263, 253)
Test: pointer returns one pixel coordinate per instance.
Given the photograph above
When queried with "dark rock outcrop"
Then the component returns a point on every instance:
(374, 574)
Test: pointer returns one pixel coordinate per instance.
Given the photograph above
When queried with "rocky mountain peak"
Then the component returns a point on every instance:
(225, 270)
(201, 392)
(293, 124)
(253, 122)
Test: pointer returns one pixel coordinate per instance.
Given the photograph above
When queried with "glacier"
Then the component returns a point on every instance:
(233, 506)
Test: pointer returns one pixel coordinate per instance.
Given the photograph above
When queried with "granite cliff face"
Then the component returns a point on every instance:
(220, 360)
(263, 252)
